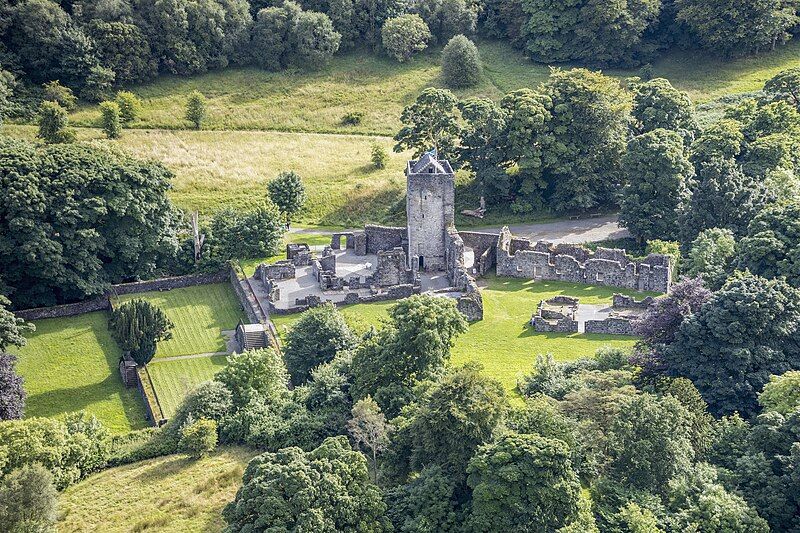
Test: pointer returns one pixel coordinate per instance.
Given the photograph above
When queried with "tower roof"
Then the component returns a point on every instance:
(429, 164)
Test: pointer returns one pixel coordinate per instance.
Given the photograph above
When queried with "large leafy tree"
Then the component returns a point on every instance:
(550, 497)
(484, 147)
(710, 257)
(12, 329)
(404, 36)
(657, 173)
(326, 489)
(28, 500)
(74, 218)
(785, 86)
(588, 130)
(237, 234)
(771, 247)
(782, 393)
(461, 63)
(430, 122)
(123, 48)
(735, 27)
(315, 41)
(288, 193)
(747, 331)
(657, 104)
(138, 326)
(597, 32)
(315, 339)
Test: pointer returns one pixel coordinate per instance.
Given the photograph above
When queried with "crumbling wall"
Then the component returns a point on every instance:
(620, 301)
(471, 302)
(380, 238)
(484, 245)
(277, 271)
(391, 268)
(610, 326)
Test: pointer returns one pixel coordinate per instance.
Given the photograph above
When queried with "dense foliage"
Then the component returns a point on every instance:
(461, 63)
(138, 326)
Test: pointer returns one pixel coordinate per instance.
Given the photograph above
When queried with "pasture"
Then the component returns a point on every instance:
(200, 314)
(174, 378)
(70, 364)
(167, 494)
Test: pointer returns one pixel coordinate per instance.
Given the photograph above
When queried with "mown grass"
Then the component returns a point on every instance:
(503, 342)
(175, 378)
(199, 313)
(362, 81)
(167, 494)
(70, 364)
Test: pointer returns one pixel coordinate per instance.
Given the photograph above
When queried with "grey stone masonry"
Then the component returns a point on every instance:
(520, 258)
(430, 205)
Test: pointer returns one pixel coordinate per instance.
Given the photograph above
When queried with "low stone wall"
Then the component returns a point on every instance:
(251, 314)
(620, 301)
(610, 326)
(564, 325)
(101, 303)
(148, 392)
(381, 238)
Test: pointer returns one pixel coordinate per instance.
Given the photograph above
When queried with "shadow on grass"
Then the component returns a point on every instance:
(165, 469)
(52, 403)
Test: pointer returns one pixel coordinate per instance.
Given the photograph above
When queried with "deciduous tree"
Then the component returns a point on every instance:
(430, 122)
(405, 35)
(196, 109)
(710, 257)
(771, 247)
(28, 500)
(461, 63)
(288, 193)
(369, 430)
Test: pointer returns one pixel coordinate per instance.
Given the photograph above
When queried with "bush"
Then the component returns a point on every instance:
(379, 156)
(405, 35)
(98, 84)
(53, 124)
(352, 118)
(137, 326)
(12, 394)
(199, 438)
(129, 107)
(28, 500)
(55, 92)
(461, 63)
(196, 109)
(315, 39)
(670, 248)
(110, 119)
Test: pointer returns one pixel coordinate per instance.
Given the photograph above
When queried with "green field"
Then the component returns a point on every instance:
(297, 100)
(70, 364)
(503, 342)
(167, 494)
(199, 313)
(174, 378)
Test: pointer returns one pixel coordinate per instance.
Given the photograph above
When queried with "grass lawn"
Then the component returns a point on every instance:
(200, 314)
(70, 364)
(503, 342)
(296, 100)
(174, 378)
(167, 494)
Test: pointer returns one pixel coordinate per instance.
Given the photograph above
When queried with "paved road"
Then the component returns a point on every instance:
(571, 231)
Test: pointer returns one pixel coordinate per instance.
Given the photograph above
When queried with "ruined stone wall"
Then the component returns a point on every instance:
(576, 265)
(380, 238)
(485, 247)
(391, 268)
(620, 301)
(610, 326)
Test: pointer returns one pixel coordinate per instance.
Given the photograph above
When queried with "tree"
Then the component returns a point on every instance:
(199, 438)
(379, 156)
(315, 339)
(781, 393)
(271, 32)
(737, 27)
(55, 92)
(288, 193)
(724, 197)
(484, 147)
(497, 471)
(455, 416)
(430, 122)
(315, 39)
(138, 326)
(98, 84)
(110, 119)
(121, 226)
(638, 519)
(255, 373)
(326, 489)
(596, 32)
(710, 257)
(746, 332)
(53, 124)
(28, 500)
(196, 109)
(12, 394)
(130, 107)
(237, 234)
(12, 329)
(427, 502)
(124, 49)
(405, 35)
(588, 139)
(446, 18)
(785, 86)
(369, 430)
(657, 104)
(771, 247)
(656, 173)
(461, 63)
(7, 83)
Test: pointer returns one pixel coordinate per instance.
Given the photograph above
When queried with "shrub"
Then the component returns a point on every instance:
(110, 119)
(352, 118)
(199, 438)
(405, 35)
(98, 84)
(28, 500)
(315, 39)
(12, 395)
(288, 193)
(129, 107)
(53, 124)
(461, 63)
(137, 326)
(55, 92)
(196, 109)
(379, 156)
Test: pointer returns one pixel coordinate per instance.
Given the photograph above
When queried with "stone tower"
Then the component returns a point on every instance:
(430, 197)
